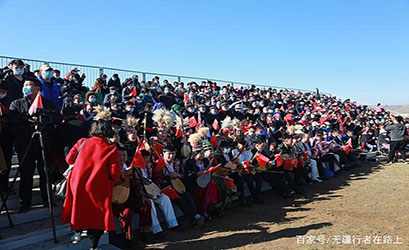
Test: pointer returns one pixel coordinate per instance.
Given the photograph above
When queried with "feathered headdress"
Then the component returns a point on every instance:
(195, 141)
(227, 125)
(131, 122)
(164, 118)
(103, 113)
(236, 124)
(203, 132)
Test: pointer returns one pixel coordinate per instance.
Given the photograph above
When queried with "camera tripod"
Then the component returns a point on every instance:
(37, 135)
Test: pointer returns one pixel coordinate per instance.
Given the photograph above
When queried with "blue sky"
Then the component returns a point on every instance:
(350, 48)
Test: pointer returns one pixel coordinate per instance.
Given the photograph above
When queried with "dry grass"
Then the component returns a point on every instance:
(371, 201)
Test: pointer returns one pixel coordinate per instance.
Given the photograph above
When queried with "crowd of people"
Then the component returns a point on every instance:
(132, 144)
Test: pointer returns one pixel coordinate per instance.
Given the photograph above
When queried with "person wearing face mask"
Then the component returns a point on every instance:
(130, 109)
(212, 116)
(91, 98)
(116, 110)
(14, 79)
(50, 89)
(167, 97)
(18, 118)
(221, 115)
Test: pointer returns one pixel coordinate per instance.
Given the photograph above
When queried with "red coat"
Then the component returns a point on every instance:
(90, 184)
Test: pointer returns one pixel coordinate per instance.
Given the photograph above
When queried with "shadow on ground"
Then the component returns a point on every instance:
(244, 226)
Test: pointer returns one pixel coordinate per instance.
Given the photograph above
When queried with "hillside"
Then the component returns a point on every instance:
(398, 109)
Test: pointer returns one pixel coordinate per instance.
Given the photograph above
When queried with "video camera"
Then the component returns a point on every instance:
(45, 117)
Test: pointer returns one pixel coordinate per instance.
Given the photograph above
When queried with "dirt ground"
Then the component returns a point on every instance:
(364, 208)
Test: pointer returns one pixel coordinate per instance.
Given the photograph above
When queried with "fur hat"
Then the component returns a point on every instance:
(164, 119)
(131, 122)
(227, 125)
(195, 141)
(103, 113)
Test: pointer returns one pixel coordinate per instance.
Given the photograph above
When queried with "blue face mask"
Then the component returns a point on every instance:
(93, 100)
(48, 74)
(27, 91)
(19, 72)
(139, 101)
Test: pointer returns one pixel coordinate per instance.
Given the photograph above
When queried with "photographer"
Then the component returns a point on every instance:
(397, 133)
(23, 125)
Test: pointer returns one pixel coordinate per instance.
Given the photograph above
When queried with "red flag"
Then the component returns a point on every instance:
(347, 149)
(192, 122)
(279, 160)
(305, 155)
(294, 162)
(138, 160)
(262, 160)
(245, 128)
(37, 104)
(186, 98)
(134, 92)
(179, 133)
(290, 164)
(246, 166)
(363, 146)
(159, 147)
(323, 120)
(216, 125)
(160, 165)
(212, 169)
(170, 192)
(213, 140)
(229, 183)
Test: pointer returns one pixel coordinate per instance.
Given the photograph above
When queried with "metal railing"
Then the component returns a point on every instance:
(93, 72)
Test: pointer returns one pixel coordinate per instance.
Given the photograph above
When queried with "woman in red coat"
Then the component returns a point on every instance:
(90, 183)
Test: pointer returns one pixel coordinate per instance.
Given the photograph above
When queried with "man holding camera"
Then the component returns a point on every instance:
(24, 126)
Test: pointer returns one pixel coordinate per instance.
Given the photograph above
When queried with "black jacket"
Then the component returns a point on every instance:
(190, 173)
(14, 86)
(19, 119)
(69, 132)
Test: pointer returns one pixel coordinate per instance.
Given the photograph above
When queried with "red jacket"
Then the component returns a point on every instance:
(90, 184)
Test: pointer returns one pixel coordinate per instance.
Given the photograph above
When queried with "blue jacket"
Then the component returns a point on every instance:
(52, 93)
